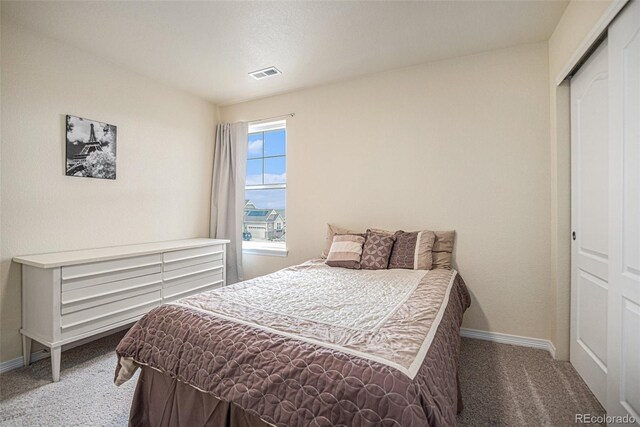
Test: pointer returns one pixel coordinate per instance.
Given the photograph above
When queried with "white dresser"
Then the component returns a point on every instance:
(70, 296)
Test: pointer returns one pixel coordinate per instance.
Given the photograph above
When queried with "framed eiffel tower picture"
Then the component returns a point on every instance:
(91, 148)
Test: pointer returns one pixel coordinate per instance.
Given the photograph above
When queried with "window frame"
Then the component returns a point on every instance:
(266, 248)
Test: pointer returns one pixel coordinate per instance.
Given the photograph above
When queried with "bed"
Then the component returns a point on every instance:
(309, 345)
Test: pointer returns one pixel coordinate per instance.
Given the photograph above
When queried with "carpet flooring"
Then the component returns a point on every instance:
(507, 385)
(502, 385)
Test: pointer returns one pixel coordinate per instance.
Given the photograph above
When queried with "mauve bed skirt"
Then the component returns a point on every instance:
(160, 400)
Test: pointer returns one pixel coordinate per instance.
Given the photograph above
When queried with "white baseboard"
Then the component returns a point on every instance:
(19, 363)
(510, 339)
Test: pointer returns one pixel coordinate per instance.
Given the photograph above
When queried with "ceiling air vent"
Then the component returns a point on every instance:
(264, 73)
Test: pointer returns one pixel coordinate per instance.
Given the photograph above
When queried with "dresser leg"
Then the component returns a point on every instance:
(26, 350)
(55, 363)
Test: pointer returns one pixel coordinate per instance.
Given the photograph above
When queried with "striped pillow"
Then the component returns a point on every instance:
(333, 230)
(413, 250)
(346, 251)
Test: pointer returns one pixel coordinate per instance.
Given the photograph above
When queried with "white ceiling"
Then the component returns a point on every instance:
(207, 48)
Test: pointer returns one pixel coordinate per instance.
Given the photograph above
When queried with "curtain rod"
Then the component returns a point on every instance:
(272, 118)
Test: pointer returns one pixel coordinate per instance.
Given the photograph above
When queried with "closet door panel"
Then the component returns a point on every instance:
(624, 212)
(590, 221)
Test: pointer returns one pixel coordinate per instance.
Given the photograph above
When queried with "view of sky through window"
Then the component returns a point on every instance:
(265, 187)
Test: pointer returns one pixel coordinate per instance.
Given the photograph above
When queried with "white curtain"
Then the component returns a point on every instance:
(227, 198)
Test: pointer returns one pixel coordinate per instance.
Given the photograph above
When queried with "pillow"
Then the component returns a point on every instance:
(443, 249)
(413, 250)
(377, 250)
(332, 230)
(346, 251)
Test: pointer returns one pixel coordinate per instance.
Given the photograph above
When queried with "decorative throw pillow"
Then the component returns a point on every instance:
(413, 250)
(443, 249)
(346, 251)
(377, 250)
(332, 230)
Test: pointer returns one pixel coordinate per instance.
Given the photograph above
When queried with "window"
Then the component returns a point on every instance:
(265, 220)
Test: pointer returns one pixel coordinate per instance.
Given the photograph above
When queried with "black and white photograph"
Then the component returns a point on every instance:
(91, 148)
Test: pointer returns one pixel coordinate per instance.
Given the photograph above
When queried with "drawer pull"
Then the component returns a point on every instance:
(93, 319)
(115, 291)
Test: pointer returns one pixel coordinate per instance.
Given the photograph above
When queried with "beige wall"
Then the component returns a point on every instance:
(576, 23)
(461, 143)
(165, 141)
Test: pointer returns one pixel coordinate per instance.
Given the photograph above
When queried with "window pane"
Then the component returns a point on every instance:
(264, 216)
(275, 170)
(254, 172)
(275, 143)
(254, 148)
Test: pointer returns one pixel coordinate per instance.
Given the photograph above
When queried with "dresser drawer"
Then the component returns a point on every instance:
(190, 272)
(188, 262)
(191, 283)
(187, 257)
(112, 312)
(92, 296)
(185, 288)
(84, 275)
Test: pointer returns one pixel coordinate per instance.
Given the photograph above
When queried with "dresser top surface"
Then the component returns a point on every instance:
(83, 256)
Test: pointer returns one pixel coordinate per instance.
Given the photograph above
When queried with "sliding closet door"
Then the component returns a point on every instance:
(590, 223)
(624, 215)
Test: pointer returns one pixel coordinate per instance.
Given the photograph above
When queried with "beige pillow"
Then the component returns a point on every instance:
(443, 249)
(346, 251)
